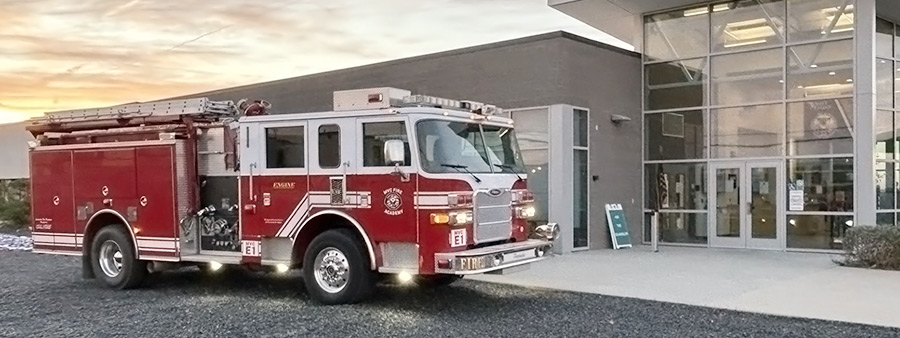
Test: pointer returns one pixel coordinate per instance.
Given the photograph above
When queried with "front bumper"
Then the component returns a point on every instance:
(492, 258)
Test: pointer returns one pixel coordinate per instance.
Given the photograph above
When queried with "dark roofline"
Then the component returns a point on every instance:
(453, 52)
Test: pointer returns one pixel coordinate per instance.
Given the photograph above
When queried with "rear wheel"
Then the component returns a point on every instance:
(336, 269)
(435, 281)
(114, 260)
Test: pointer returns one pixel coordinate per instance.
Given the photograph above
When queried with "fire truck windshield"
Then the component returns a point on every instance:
(445, 146)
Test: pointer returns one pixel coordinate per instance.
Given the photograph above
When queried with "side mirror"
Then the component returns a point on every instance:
(394, 152)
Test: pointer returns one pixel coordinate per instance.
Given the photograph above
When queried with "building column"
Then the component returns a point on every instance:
(559, 176)
(864, 180)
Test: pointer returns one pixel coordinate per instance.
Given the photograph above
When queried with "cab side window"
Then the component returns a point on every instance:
(329, 146)
(374, 136)
(285, 147)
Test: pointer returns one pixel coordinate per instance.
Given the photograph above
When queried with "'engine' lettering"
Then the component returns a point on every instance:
(284, 185)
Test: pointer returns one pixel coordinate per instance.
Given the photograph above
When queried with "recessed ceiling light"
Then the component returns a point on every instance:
(832, 73)
(813, 66)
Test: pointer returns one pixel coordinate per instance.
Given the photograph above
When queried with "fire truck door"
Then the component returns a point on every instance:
(391, 187)
(332, 145)
(279, 182)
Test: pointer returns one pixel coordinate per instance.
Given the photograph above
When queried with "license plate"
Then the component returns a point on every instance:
(472, 263)
(516, 256)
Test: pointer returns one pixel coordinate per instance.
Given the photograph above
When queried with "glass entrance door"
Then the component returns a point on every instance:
(744, 206)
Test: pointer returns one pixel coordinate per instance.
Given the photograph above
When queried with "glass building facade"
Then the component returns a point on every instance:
(751, 135)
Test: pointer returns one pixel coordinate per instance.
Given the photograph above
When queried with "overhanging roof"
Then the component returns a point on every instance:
(622, 18)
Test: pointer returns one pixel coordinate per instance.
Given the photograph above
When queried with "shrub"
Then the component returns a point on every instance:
(15, 210)
(873, 247)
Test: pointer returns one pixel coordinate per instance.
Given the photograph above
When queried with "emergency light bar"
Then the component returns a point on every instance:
(471, 106)
(386, 97)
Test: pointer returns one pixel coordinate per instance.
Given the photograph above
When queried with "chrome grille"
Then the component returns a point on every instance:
(493, 216)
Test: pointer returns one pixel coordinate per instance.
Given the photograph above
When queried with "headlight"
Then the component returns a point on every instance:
(455, 218)
(526, 212)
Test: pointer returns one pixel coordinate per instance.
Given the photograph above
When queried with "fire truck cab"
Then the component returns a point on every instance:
(387, 184)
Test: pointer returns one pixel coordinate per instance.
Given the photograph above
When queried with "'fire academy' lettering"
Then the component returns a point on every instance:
(393, 202)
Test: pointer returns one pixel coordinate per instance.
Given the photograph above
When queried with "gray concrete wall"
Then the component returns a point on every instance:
(14, 151)
(608, 82)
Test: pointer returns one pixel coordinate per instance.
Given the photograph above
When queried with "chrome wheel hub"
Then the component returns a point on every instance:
(331, 270)
(111, 259)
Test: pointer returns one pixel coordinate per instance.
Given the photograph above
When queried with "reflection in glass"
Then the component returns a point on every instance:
(580, 126)
(677, 186)
(763, 199)
(884, 135)
(820, 19)
(884, 83)
(687, 228)
(747, 131)
(580, 174)
(748, 24)
(821, 69)
(886, 184)
(728, 202)
(884, 39)
(885, 218)
(676, 35)
(676, 84)
(820, 127)
(747, 77)
(896, 42)
(675, 136)
(827, 183)
(823, 232)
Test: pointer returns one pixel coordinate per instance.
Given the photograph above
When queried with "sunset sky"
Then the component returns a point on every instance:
(64, 54)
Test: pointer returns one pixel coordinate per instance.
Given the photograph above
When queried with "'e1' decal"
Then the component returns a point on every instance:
(457, 237)
(251, 248)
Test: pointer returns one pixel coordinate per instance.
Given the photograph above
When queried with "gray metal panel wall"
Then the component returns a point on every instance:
(518, 75)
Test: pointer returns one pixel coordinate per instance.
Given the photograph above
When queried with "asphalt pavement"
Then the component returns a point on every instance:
(44, 296)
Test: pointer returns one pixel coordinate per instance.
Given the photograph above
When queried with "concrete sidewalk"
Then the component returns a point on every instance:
(790, 284)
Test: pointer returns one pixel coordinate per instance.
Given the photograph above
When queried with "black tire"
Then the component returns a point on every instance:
(131, 271)
(341, 248)
(435, 281)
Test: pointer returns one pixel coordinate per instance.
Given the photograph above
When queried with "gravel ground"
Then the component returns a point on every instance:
(15, 242)
(43, 295)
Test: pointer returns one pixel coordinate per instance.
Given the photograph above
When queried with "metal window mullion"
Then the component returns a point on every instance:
(822, 156)
(753, 49)
(684, 161)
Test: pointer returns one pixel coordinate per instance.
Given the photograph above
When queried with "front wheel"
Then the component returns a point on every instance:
(336, 269)
(114, 260)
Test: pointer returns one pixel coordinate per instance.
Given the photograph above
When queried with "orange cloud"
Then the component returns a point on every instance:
(61, 54)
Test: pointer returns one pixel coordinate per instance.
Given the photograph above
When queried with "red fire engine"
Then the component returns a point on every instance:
(389, 183)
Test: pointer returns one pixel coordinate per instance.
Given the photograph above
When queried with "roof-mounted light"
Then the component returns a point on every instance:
(470, 106)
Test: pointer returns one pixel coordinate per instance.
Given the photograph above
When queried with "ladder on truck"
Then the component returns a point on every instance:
(132, 114)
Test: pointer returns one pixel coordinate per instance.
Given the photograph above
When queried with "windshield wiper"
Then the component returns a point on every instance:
(463, 167)
(511, 168)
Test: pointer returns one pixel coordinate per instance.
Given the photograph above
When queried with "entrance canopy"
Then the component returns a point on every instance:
(622, 18)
